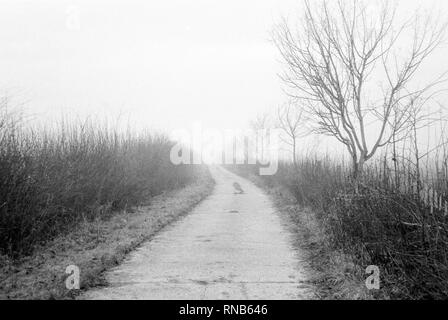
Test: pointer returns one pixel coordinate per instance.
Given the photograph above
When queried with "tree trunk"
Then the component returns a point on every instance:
(358, 169)
(294, 152)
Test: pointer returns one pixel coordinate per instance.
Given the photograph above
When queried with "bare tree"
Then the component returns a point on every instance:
(290, 121)
(335, 60)
(259, 126)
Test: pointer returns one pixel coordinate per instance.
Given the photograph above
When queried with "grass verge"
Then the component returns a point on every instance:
(335, 275)
(95, 246)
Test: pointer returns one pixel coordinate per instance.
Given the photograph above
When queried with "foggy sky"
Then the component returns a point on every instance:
(163, 64)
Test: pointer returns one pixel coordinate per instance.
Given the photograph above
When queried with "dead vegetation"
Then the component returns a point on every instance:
(95, 246)
(54, 179)
(376, 222)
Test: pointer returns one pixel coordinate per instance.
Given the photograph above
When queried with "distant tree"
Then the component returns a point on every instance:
(343, 61)
(290, 121)
(259, 126)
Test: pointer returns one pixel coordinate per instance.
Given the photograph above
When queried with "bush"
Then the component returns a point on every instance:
(51, 180)
(399, 228)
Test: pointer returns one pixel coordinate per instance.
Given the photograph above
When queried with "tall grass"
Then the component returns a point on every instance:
(52, 179)
(397, 218)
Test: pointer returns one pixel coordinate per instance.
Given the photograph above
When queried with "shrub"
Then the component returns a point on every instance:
(52, 179)
(398, 227)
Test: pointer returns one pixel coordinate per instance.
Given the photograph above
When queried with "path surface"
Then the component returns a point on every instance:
(231, 246)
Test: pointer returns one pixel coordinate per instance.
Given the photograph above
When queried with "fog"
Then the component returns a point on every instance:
(161, 64)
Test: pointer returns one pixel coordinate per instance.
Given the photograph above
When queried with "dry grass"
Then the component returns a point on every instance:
(395, 217)
(54, 179)
(95, 246)
(334, 274)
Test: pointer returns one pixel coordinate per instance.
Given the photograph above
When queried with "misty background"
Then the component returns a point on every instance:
(161, 65)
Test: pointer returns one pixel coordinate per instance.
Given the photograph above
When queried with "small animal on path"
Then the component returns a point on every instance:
(238, 189)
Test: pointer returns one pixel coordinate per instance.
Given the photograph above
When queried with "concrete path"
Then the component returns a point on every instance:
(232, 246)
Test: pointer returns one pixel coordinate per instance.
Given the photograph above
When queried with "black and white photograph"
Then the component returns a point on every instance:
(223, 155)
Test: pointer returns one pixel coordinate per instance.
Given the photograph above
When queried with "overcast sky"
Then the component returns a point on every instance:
(164, 64)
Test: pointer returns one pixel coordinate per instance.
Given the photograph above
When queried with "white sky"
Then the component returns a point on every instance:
(165, 64)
